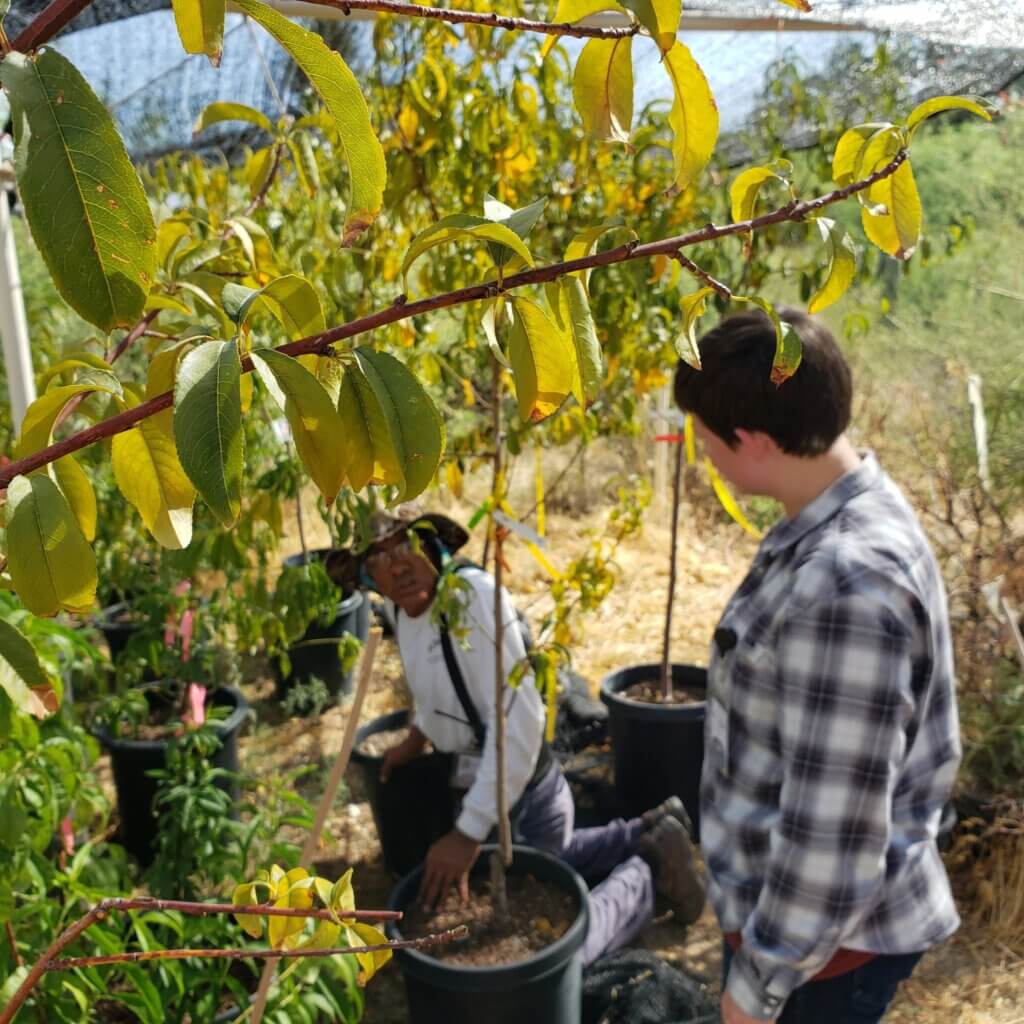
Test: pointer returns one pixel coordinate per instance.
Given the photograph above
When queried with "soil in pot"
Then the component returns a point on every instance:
(538, 914)
(650, 693)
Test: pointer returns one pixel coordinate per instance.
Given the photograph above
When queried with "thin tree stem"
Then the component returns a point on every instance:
(666, 648)
(412, 10)
(498, 863)
(403, 310)
(703, 275)
(107, 906)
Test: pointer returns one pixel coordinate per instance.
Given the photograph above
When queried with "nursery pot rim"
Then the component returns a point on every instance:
(682, 673)
(535, 967)
(223, 729)
(382, 723)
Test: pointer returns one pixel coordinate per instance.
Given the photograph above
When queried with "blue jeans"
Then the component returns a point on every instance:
(858, 997)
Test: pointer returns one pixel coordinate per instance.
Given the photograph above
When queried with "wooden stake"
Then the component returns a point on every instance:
(326, 801)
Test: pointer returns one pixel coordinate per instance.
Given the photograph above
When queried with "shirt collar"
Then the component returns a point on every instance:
(788, 532)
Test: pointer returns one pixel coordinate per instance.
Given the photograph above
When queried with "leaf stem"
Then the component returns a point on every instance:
(320, 343)
(47, 23)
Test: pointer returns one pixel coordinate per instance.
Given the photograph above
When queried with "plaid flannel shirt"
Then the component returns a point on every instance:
(831, 743)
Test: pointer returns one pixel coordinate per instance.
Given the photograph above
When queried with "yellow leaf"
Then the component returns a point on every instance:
(370, 963)
(453, 478)
(729, 502)
(898, 230)
(77, 488)
(258, 168)
(938, 104)
(746, 188)
(693, 118)
(201, 26)
(602, 88)
(342, 896)
(842, 266)
(543, 362)
(245, 895)
(692, 308)
(848, 149)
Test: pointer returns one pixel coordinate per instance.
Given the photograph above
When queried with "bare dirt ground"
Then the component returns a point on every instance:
(971, 980)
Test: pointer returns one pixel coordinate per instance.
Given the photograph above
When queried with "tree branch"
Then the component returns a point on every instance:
(412, 10)
(703, 275)
(71, 963)
(133, 335)
(47, 23)
(403, 310)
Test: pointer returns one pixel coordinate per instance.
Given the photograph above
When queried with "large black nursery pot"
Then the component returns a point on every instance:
(316, 653)
(415, 806)
(658, 749)
(545, 988)
(131, 759)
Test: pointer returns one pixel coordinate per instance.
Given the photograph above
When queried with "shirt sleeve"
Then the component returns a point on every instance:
(524, 710)
(844, 671)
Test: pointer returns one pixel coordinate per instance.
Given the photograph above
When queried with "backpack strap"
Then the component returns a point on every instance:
(455, 673)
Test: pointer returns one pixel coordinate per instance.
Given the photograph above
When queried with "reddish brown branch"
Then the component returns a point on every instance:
(105, 907)
(47, 23)
(18, 962)
(70, 963)
(402, 310)
(411, 10)
(703, 275)
(133, 335)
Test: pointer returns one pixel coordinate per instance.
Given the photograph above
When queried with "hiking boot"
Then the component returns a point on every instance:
(668, 850)
(670, 808)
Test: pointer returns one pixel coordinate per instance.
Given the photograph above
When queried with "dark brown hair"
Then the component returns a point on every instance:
(803, 416)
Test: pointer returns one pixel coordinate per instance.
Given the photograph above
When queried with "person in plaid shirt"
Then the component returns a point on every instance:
(831, 738)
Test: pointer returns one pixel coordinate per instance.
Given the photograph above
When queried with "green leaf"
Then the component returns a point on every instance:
(788, 348)
(50, 562)
(589, 370)
(366, 439)
(316, 425)
(208, 425)
(842, 266)
(150, 475)
(693, 118)
(82, 197)
(291, 300)
(692, 308)
(215, 113)
(75, 485)
(416, 428)
(659, 17)
(201, 26)
(543, 361)
(340, 92)
(602, 88)
(306, 167)
(464, 225)
(21, 675)
(938, 104)
(521, 221)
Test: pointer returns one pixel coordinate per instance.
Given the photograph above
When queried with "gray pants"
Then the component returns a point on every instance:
(623, 904)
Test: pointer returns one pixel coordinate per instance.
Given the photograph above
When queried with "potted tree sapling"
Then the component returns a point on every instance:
(656, 713)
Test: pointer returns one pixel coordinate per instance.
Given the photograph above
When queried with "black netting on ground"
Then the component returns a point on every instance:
(635, 987)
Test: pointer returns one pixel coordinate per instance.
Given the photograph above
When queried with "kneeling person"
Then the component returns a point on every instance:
(453, 687)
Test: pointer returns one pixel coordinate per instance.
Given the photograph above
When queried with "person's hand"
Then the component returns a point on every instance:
(409, 749)
(732, 1014)
(448, 863)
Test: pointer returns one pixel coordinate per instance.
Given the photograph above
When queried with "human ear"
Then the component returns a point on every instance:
(755, 443)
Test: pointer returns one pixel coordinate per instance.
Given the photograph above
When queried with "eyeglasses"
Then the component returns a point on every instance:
(379, 562)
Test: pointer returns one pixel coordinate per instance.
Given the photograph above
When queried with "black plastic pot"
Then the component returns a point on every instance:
(130, 760)
(415, 806)
(117, 631)
(658, 749)
(546, 988)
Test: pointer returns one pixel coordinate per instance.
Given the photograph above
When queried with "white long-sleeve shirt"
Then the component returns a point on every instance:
(440, 716)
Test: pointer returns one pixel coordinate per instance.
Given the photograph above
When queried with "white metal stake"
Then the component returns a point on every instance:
(21, 383)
